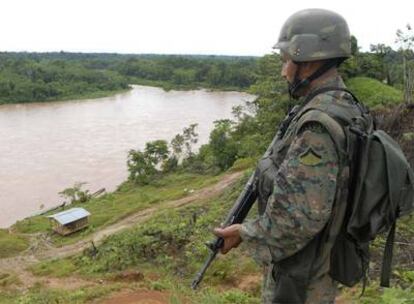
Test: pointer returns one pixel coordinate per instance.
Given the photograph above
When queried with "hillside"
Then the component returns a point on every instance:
(154, 251)
(374, 93)
(146, 240)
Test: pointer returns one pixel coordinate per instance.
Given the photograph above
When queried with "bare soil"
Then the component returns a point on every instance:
(138, 297)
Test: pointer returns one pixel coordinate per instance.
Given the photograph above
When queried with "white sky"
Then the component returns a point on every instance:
(229, 27)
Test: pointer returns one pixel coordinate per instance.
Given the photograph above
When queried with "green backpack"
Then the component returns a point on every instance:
(380, 190)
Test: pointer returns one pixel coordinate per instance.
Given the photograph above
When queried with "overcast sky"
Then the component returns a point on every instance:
(229, 27)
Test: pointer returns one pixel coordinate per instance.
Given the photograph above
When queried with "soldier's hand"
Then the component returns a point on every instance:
(231, 236)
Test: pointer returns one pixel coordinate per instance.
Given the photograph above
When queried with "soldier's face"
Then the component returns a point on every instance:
(289, 69)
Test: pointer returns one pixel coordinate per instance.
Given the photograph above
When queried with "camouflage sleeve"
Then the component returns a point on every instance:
(302, 198)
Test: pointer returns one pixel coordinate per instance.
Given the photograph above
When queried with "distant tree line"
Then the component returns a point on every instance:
(381, 62)
(28, 80)
(209, 71)
(28, 77)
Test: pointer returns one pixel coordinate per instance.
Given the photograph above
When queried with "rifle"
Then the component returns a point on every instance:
(236, 215)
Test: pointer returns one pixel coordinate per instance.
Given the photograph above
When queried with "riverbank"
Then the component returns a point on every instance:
(169, 86)
(165, 85)
(47, 147)
(40, 77)
(85, 96)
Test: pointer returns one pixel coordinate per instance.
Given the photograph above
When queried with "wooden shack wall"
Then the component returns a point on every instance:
(70, 227)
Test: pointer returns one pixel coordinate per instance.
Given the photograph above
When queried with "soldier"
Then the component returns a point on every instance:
(304, 175)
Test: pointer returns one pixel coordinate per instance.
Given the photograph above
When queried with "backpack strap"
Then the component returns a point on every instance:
(387, 258)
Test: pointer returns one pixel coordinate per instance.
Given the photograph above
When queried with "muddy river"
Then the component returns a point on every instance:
(47, 147)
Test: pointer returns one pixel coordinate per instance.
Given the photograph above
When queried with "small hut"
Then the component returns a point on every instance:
(69, 221)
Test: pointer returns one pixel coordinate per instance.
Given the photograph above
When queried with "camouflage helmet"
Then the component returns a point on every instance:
(315, 34)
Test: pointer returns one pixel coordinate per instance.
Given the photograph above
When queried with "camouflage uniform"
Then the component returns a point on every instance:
(306, 167)
(306, 172)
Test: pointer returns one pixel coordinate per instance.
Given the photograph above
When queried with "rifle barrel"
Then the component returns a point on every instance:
(200, 274)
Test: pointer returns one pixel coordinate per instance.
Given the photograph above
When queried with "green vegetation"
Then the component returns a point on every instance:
(54, 268)
(129, 199)
(172, 239)
(168, 248)
(169, 245)
(11, 244)
(41, 295)
(30, 77)
(189, 72)
(27, 80)
(373, 93)
(27, 77)
(375, 294)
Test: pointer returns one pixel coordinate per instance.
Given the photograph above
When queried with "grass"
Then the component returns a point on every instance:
(11, 244)
(376, 295)
(128, 199)
(7, 279)
(173, 239)
(171, 245)
(374, 93)
(169, 249)
(54, 268)
(41, 295)
(243, 164)
(180, 293)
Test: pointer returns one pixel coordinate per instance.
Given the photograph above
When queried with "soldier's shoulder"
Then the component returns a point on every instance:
(339, 105)
(313, 127)
(320, 121)
(332, 97)
(315, 145)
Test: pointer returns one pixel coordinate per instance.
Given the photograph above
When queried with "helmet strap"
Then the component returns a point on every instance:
(299, 84)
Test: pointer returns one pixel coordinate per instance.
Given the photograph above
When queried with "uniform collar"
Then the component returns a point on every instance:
(334, 82)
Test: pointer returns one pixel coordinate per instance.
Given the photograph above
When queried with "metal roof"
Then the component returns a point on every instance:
(69, 216)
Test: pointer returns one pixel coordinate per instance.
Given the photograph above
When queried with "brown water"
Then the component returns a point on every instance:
(47, 147)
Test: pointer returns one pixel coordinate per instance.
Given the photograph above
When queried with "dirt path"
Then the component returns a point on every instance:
(138, 217)
(18, 265)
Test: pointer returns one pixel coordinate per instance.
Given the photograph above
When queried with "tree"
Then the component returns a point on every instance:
(381, 51)
(354, 45)
(75, 194)
(177, 144)
(143, 166)
(405, 39)
(190, 138)
(185, 140)
(223, 147)
(156, 151)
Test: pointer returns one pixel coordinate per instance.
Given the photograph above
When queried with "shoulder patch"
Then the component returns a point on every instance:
(310, 157)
